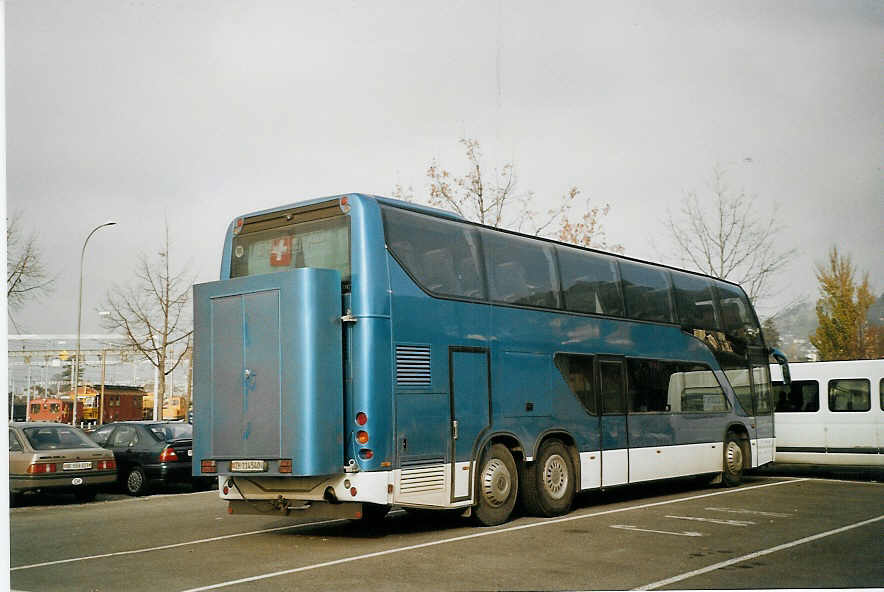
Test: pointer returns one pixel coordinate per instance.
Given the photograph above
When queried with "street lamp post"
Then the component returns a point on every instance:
(80, 319)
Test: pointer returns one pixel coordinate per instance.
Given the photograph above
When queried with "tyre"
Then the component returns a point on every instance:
(374, 513)
(136, 481)
(86, 494)
(734, 457)
(548, 483)
(498, 486)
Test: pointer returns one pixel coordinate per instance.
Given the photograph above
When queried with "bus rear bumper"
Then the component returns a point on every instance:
(374, 487)
(309, 511)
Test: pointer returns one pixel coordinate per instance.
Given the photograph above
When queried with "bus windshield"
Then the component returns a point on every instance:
(317, 243)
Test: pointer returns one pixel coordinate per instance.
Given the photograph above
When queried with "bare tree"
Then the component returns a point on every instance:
(722, 235)
(26, 275)
(492, 198)
(153, 313)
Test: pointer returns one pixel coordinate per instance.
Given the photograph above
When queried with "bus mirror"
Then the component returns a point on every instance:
(780, 357)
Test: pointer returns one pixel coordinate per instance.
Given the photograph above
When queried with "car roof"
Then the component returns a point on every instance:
(39, 424)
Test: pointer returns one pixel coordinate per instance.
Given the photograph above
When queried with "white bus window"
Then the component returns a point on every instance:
(851, 394)
(800, 396)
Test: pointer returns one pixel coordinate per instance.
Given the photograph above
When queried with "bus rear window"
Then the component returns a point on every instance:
(321, 243)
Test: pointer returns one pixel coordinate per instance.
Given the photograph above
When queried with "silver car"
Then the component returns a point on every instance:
(56, 457)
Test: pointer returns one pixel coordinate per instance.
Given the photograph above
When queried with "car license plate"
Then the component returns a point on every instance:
(76, 466)
(248, 466)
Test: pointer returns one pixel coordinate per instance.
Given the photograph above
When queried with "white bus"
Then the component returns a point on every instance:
(831, 414)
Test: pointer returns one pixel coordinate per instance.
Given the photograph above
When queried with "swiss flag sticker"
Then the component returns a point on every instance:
(281, 251)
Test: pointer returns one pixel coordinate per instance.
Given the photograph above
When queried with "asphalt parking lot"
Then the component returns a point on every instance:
(772, 532)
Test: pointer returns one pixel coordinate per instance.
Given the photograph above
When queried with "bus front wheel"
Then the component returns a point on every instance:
(548, 483)
(734, 454)
(498, 486)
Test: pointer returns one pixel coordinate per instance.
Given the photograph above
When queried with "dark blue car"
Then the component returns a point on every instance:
(150, 453)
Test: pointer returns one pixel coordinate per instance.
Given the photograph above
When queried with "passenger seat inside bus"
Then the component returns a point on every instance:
(439, 272)
(510, 283)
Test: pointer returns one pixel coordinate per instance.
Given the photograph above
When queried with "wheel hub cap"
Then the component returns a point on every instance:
(555, 476)
(734, 458)
(496, 482)
(134, 481)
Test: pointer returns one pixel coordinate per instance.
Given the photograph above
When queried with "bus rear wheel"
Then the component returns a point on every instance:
(734, 455)
(548, 483)
(498, 486)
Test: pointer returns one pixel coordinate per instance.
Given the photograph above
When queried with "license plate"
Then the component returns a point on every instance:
(248, 466)
(76, 466)
(190, 453)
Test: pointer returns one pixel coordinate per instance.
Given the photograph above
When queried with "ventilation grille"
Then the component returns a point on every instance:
(413, 364)
(422, 478)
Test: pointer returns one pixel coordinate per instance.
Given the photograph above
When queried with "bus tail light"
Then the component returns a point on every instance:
(361, 418)
(362, 436)
(168, 455)
(237, 228)
(285, 465)
(345, 204)
(38, 468)
(366, 454)
(208, 466)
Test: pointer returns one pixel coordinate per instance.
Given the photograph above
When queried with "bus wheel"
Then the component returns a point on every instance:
(548, 482)
(733, 460)
(498, 486)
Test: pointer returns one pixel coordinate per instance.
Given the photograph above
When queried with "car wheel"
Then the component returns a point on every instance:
(136, 481)
(734, 455)
(87, 494)
(498, 486)
(547, 487)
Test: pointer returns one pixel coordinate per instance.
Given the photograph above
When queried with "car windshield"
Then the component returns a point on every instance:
(57, 437)
(172, 431)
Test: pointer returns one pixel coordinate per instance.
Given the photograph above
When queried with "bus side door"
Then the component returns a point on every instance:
(470, 412)
(611, 378)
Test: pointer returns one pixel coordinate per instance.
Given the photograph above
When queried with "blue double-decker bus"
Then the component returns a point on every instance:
(361, 352)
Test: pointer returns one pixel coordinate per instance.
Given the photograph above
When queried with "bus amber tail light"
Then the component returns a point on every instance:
(362, 436)
(208, 466)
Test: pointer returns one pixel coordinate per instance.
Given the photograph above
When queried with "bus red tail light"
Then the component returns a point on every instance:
(168, 455)
(38, 468)
(366, 454)
(285, 466)
(361, 418)
(362, 437)
(208, 466)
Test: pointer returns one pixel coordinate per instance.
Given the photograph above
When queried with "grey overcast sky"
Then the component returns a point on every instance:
(198, 111)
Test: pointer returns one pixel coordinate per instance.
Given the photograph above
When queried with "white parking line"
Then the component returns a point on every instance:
(715, 520)
(755, 512)
(715, 566)
(173, 545)
(478, 535)
(636, 528)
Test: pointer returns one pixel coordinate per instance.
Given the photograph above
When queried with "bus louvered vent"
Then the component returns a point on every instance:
(412, 364)
(422, 478)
